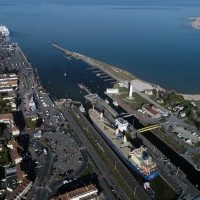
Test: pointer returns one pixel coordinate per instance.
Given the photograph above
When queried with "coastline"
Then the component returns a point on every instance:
(120, 74)
(191, 97)
(135, 79)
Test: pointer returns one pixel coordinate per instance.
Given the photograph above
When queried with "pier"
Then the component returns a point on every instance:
(106, 76)
(84, 88)
(90, 68)
(92, 97)
(113, 82)
(102, 73)
(110, 79)
(96, 71)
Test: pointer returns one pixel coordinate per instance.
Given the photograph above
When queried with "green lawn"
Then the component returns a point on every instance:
(135, 103)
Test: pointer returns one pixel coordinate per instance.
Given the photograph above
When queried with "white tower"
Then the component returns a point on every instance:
(130, 91)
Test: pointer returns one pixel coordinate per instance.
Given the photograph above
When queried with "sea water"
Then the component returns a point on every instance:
(153, 40)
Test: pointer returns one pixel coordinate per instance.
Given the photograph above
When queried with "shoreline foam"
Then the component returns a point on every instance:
(195, 23)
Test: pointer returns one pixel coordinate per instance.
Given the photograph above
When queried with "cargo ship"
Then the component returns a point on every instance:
(114, 134)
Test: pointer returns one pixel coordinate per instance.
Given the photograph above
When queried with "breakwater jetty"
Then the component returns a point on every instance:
(114, 72)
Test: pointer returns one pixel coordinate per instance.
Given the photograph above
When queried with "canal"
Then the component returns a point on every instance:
(191, 173)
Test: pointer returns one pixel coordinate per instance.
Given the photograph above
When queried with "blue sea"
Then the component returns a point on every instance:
(151, 39)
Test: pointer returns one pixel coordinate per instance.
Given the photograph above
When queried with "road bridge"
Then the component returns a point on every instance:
(148, 128)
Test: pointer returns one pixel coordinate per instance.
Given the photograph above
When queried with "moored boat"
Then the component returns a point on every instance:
(115, 103)
(81, 108)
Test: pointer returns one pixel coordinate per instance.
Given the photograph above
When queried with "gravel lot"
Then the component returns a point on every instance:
(68, 158)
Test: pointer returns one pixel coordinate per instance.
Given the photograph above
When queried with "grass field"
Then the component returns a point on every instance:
(135, 103)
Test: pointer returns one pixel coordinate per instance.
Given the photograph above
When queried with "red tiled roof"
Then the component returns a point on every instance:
(19, 189)
(77, 192)
(149, 108)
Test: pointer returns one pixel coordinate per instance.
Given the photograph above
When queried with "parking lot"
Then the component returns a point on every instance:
(68, 158)
(188, 136)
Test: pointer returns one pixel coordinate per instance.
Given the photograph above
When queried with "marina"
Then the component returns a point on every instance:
(114, 72)
(171, 181)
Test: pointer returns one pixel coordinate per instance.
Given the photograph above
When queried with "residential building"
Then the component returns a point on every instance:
(8, 119)
(88, 192)
(151, 110)
(8, 82)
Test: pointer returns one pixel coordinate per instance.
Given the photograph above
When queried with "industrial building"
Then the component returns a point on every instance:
(8, 119)
(17, 183)
(8, 82)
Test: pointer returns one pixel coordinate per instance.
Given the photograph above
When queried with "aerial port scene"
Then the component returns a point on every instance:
(99, 100)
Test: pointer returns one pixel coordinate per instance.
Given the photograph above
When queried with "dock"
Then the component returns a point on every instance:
(96, 71)
(90, 68)
(110, 79)
(92, 97)
(106, 76)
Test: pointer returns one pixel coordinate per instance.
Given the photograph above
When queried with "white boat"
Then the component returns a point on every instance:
(115, 103)
(106, 100)
(65, 74)
(4, 31)
(81, 108)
